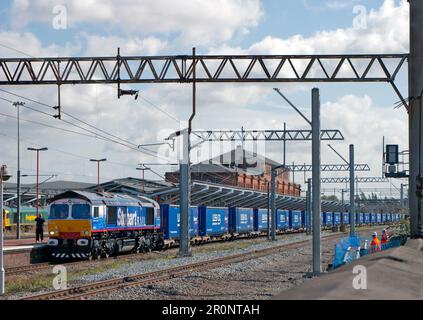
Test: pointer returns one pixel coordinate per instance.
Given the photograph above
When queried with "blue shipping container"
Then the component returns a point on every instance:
(282, 219)
(359, 218)
(327, 219)
(366, 218)
(336, 218)
(241, 220)
(171, 217)
(346, 218)
(304, 219)
(212, 221)
(294, 219)
(260, 219)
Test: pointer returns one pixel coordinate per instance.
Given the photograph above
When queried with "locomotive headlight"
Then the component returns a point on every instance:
(84, 233)
(52, 233)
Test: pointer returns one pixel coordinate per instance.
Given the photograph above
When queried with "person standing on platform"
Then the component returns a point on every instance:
(39, 229)
(385, 237)
(375, 245)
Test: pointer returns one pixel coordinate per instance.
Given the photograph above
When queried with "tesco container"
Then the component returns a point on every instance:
(346, 218)
(327, 219)
(241, 220)
(260, 219)
(294, 219)
(304, 221)
(171, 218)
(282, 219)
(383, 217)
(366, 218)
(359, 218)
(378, 218)
(336, 218)
(373, 219)
(213, 221)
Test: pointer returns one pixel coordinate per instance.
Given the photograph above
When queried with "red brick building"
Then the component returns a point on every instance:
(241, 168)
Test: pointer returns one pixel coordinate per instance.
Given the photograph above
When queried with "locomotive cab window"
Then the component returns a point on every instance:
(59, 211)
(96, 213)
(149, 216)
(111, 215)
(81, 211)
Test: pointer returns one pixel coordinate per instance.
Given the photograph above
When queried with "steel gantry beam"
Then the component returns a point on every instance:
(264, 135)
(361, 180)
(329, 167)
(209, 68)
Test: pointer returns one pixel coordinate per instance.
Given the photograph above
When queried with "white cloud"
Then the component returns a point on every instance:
(22, 44)
(196, 21)
(387, 32)
(219, 106)
(107, 45)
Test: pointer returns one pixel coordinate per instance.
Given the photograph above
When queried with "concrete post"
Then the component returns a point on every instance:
(308, 214)
(18, 178)
(342, 211)
(402, 197)
(415, 65)
(184, 196)
(268, 211)
(273, 202)
(352, 192)
(316, 207)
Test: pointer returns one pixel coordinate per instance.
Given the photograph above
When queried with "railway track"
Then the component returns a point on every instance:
(87, 290)
(27, 268)
(44, 266)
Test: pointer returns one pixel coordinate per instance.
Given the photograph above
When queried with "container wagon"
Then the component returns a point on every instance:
(260, 220)
(282, 219)
(241, 221)
(346, 218)
(213, 222)
(366, 218)
(327, 219)
(336, 218)
(171, 217)
(294, 220)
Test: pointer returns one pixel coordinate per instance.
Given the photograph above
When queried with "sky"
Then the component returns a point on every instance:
(363, 112)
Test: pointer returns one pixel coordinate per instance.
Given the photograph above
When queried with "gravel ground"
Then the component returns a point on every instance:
(253, 279)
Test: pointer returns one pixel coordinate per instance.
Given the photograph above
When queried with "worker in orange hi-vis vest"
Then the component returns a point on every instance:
(375, 245)
(385, 237)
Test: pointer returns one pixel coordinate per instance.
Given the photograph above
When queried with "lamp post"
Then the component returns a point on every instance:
(38, 173)
(4, 176)
(143, 168)
(98, 171)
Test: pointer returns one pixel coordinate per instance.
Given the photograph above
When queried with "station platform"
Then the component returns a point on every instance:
(22, 244)
(394, 274)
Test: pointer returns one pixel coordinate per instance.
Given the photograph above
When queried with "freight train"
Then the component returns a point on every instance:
(28, 215)
(92, 225)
